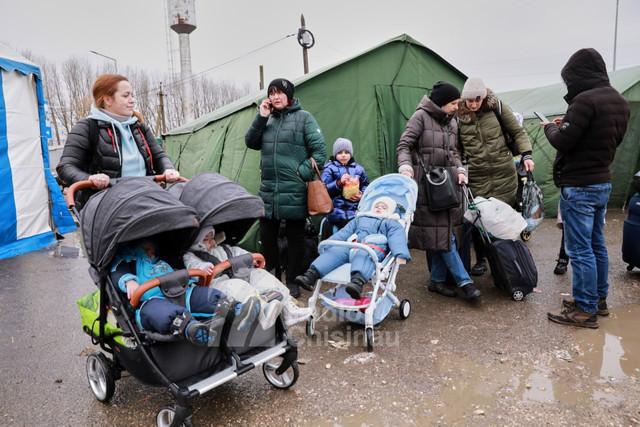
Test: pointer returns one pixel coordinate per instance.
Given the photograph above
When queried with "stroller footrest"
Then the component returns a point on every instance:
(341, 274)
(340, 306)
(231, 372)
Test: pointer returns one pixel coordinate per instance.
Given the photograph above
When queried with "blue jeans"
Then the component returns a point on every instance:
(583, 210)
(335, 256)
(443, 261)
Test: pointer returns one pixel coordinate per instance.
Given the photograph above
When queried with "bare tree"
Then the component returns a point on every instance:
(67, 88)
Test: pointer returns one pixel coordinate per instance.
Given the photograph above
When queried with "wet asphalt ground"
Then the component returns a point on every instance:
(451, 362)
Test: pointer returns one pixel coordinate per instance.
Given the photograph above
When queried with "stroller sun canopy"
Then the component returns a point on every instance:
(133, 208)
(402, 189)
(218, 200)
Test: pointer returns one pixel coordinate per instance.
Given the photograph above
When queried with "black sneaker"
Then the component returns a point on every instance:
(479, 269)
(561, 266)
(442, 289)
(197, 333)
(470, 292)
(249, 311)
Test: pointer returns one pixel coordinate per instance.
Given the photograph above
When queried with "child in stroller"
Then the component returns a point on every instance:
(137, 208)
(209, 250)
(138, 263)
(378, 229)
(399, 194)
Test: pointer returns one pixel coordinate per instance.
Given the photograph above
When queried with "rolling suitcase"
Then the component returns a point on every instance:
(512, 267)
(631, 234)
(510, 261)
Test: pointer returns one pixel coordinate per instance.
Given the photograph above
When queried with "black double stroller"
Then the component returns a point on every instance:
(135, 208)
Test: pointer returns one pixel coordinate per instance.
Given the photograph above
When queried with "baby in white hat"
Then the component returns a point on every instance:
(209, 250)
(379, 229)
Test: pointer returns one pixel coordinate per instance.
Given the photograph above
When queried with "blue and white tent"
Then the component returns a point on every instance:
(32, 207)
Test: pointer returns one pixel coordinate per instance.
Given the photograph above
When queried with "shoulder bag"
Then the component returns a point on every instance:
(318, 200)
(442, 191)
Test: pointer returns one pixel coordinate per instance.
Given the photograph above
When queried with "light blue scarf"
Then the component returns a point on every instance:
(132, 162)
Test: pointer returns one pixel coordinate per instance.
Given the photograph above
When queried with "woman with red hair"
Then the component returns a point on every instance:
(113, 141)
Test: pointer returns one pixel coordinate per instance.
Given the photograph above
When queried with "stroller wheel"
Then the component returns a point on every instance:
(405, 309)
(517, 295)
(311, 329)
(525, 236)
(100, 376)
(369, 339)
(166, 416)
(286, 379)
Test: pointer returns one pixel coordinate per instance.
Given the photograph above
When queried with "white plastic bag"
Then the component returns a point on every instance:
(499, 219)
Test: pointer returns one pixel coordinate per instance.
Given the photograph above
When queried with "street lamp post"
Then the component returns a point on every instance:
(108, 57)
(615, 37)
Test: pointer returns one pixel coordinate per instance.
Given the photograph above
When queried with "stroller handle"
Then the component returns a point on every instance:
(163, 178)
(137, 295)
(219, 268)
(71, 192)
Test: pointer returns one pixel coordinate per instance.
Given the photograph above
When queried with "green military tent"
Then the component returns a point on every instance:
(549, 100)
(367, 99)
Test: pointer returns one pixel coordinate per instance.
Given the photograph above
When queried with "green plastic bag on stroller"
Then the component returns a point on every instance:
(89, 306)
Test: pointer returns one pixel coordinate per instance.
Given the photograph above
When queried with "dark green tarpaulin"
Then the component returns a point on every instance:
(367, 99)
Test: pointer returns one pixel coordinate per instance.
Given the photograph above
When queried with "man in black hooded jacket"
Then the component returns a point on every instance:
(586, 139)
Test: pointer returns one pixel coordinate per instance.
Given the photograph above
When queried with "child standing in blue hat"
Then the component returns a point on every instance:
(340, 173)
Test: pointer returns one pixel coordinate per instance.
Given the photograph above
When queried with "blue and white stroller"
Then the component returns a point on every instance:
(375, 305)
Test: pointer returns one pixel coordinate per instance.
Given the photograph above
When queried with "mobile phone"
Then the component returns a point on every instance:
(541, 116)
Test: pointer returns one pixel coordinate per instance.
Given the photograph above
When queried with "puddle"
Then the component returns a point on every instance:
(612, 352)
(467, 390)
(68, 247)
(586, 374)
(538, 388)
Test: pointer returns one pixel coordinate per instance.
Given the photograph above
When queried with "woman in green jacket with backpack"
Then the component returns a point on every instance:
(287, 136)
(492, 172)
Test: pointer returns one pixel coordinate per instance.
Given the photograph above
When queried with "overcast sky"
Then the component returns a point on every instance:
(511, 44)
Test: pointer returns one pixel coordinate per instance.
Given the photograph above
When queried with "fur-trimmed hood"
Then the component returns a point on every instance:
(467, 116)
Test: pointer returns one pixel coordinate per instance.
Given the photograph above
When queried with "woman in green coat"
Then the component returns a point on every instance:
(492, 171)
(287, 136)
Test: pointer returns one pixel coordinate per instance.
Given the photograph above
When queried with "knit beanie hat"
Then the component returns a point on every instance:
(474, 89)
(443, 93)
(388, 201)
(342, 144)
(284, 85)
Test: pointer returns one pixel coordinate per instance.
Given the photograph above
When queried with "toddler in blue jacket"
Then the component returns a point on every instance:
(378, 228)
(139, 263)
(337, 174)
